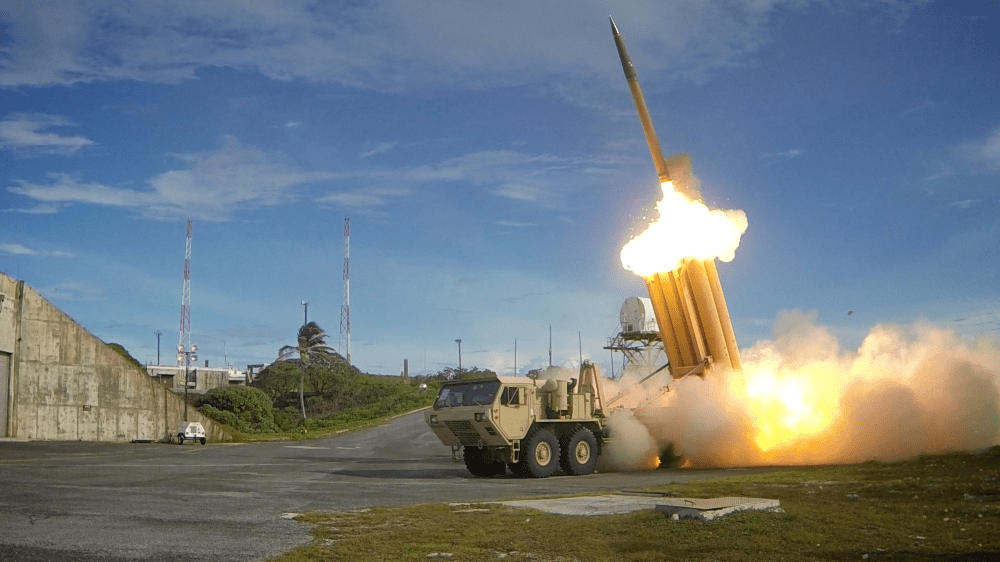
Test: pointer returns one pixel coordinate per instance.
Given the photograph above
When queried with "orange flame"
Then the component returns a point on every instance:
(684, 229)
(785, 406)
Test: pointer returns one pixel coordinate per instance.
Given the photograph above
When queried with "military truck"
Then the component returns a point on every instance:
(534, 425)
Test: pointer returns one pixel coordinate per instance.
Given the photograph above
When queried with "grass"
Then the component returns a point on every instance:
(933, 507)
(317, 433)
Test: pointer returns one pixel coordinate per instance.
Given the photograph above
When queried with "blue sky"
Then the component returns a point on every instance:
(492, 165)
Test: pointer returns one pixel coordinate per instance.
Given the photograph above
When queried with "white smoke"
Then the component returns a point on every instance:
(905, 391)
(631, 446)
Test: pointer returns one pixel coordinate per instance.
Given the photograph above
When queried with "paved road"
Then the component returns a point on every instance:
(103, 502)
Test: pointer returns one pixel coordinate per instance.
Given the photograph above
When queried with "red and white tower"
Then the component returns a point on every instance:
(185, 337)
(345, 309)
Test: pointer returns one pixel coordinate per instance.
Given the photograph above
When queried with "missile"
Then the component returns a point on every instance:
(684, 182)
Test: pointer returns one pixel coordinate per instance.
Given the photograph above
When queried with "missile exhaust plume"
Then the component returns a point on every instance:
(800, 399)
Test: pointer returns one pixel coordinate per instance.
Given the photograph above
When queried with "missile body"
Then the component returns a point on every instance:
(676, 169)
(640, 106)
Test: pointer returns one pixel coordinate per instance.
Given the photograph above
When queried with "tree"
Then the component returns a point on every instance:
(326, 372)
(311, 347)
(278, 378)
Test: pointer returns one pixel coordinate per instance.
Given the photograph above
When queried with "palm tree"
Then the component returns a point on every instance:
(311, 345)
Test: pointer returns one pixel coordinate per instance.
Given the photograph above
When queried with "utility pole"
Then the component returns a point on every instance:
(158, 334)
(459, 342)
(186, 357)
(305, 308)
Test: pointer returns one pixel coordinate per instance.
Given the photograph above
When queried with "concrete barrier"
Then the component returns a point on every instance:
(64, 383)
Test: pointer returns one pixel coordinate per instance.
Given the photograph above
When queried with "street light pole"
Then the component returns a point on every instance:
(187, 357)
(459, 342)
(305, 311)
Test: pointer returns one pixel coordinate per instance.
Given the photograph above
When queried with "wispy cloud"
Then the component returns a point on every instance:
(384, 44)
(985, 151)
(380, 148)
(539, 179)
(368, 197)
(27, 134)
(965, 204)
(520, 191)
(42, 209)
(212, 187)
(782, 155)
(17, 250)
(21, 250)
(70, 291)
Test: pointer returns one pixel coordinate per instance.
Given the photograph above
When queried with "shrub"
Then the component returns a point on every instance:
(287, 418)
(241, 407)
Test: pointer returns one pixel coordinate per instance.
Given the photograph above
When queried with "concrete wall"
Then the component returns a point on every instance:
(66, 384)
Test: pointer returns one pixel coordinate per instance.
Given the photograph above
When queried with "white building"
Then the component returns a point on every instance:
(200, 379)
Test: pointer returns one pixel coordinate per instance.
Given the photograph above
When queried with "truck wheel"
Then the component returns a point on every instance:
(579, 452)
(203, 440)
(479, 463)
(539, 454)
(180, 439)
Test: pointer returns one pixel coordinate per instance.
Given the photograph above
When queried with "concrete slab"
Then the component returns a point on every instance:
(713, 508)
(612, 504)
(616, 504)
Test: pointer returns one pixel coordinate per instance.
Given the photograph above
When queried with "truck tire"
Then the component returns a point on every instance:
(539, 454)
(579, 452)
(479, 463)
(203, 440)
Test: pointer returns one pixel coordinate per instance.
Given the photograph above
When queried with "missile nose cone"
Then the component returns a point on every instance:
(630, 74)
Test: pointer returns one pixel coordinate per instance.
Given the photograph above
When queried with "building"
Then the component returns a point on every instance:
(200, 379)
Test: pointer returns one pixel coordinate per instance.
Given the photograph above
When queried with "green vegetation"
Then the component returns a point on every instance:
(934, 507)
(242, 408)
(312, 348)
(295, 399)
(128, 356)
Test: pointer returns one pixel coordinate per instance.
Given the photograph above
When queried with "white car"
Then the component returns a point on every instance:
(191, 430)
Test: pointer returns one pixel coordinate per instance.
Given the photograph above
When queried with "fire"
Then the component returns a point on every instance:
(684, 229)
(785, 407)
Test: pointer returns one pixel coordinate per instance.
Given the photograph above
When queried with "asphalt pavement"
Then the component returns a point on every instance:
(154, 502)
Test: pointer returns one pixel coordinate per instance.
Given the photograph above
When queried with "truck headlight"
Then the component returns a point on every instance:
(480, 416)
(434, 419)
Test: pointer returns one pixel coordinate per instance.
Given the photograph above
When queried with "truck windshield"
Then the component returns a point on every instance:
(480, 393)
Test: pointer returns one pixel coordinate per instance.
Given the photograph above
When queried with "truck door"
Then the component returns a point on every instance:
(514, 413)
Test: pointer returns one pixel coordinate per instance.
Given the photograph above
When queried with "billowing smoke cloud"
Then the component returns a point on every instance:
(801, 400)
(633, 447)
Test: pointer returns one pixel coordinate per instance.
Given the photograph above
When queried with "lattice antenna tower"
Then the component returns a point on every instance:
(185, 337)
(345, 308)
